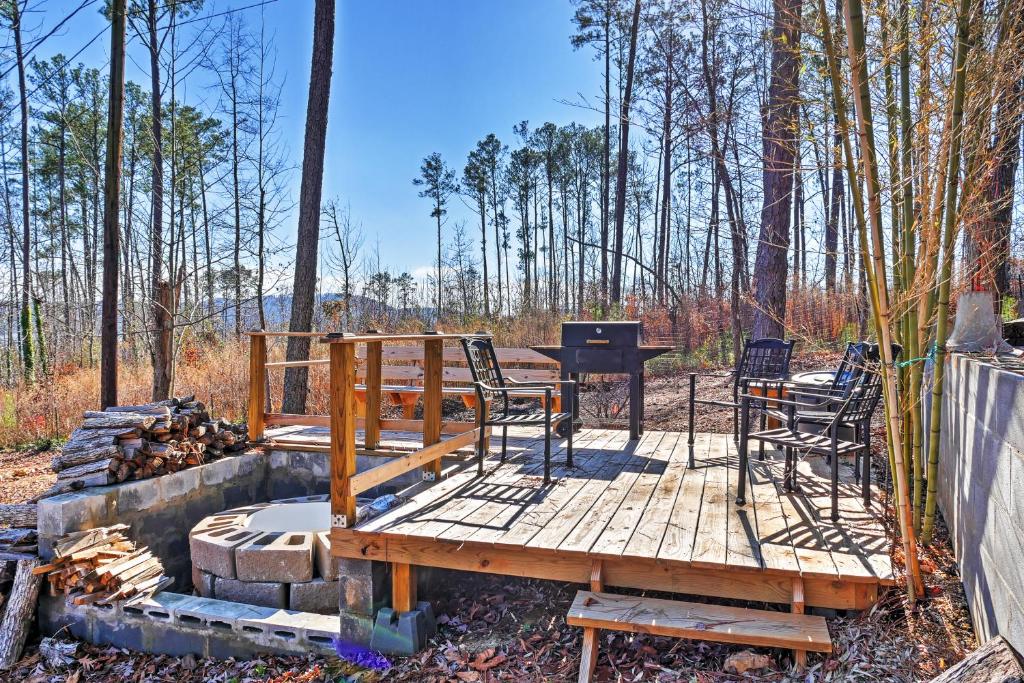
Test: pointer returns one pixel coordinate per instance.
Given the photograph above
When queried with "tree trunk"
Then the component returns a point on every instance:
(27, 353)
(111, 206)
(623, 161)
(779, 145)
(304, 287)
(162, 342)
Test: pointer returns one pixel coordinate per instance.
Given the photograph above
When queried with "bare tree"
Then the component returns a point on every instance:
(308, 238)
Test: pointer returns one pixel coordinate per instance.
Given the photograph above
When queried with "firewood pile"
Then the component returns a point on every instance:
(136, 442)
(102, 566)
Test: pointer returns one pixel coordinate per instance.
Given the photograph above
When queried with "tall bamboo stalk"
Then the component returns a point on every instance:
(858, 71)
(948, 242)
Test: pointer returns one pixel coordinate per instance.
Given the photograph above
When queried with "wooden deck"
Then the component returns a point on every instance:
(651, 523)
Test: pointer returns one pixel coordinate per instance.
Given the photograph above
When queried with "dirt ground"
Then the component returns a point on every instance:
(494, 628)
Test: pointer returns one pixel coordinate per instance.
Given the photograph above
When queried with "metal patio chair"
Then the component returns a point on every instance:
(856, 405)
(491, 387)
(762, 359)
(858, 358)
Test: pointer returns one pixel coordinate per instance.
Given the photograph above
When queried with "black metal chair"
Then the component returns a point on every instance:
(490, 385)
(856, 405)
(858, 358)
(762, 359)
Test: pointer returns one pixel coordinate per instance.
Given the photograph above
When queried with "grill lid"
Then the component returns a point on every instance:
(602, 334)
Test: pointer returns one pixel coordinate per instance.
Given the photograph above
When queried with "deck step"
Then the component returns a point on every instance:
(699, 621)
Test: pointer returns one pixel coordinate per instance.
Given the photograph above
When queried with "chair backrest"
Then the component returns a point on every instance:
(483, 362)
(766, 358)
(859, 356)
(855, 360)
(861, 396)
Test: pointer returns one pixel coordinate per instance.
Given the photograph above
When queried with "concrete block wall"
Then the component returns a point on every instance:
(981, 491)
(162, 510)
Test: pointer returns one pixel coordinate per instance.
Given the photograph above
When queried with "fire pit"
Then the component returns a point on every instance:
(274, 554)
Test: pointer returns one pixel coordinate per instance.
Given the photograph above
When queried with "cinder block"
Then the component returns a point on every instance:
(264, 593)
(317, 630)
(326, 566)
(218, 614)
(304, 499)
(216, 522)
(202, 582)
(276, 556)
(318, 596)
(214, 551)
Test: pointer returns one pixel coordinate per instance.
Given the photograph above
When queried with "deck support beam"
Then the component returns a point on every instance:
(403, 587)
(591, 636)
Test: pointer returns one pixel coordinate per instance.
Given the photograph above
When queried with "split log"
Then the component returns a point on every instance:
(67, 461)
(105, 465)
(95, 420)
(23, 516)
(21, 607)
(993, 662)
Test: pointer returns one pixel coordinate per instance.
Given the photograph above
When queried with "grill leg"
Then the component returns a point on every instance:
(689, 440)
(634, 406)
(504, 441)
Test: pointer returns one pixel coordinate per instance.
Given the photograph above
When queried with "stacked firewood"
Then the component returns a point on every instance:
(135, 442)
(102, 566)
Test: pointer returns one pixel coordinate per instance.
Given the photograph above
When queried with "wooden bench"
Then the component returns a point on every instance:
(402, 376)
(595, 610)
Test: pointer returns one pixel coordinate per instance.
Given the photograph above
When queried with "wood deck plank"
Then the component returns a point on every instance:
(591, 461)
(777, 551)
(509, 517)
(623, 525)
(593, 520)
(562, 523)
(743, 546)
(521, 484)
(710, 546)
(681, 530)
(649, 533)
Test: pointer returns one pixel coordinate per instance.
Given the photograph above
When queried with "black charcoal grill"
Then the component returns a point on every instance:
(606, 348)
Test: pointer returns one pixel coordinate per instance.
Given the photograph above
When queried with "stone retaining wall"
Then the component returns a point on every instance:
(981, 491)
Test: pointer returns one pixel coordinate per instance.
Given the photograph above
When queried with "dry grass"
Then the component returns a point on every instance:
(217, 371)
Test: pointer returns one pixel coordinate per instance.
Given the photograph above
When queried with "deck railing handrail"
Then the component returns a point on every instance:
(346, 483)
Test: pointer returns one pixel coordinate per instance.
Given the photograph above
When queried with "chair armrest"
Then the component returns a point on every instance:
(715, 375)
(780, 401)
(540, 384)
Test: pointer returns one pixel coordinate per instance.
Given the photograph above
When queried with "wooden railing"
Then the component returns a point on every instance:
(343, 421)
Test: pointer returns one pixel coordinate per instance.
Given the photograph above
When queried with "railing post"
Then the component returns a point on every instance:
(257, 385)
(433, 367)
(374, 354)
(343, 433)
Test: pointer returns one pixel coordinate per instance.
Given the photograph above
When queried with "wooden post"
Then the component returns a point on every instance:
(374, 353)
(797, 607)
(433, 366)
(591, 639)
(257, 385)
(403, 587)
(343, 433)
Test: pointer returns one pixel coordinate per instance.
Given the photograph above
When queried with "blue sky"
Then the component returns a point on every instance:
(410, 78)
